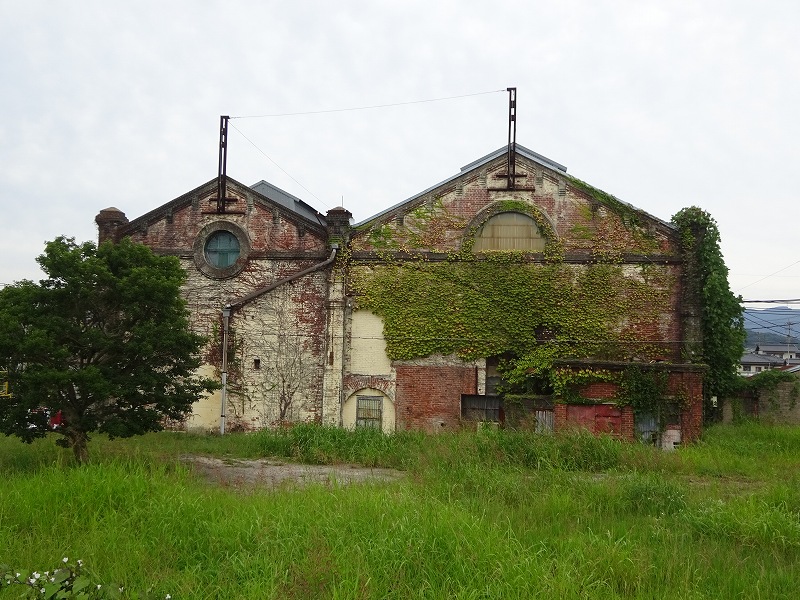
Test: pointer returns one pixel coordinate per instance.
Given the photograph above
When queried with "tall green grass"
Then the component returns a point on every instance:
(489, 515)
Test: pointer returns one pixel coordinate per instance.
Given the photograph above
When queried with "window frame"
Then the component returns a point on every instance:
(201, 260)
(362, 412)
(536, 243)
(213, 255)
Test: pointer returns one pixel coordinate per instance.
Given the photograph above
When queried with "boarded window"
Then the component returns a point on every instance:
(534, 412)
(509, 231)
(480, 408)
(369, 411)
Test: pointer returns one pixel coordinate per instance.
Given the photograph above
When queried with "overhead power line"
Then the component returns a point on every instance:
(766, 277)
(372, 107)
(789, 301)
(277, 165)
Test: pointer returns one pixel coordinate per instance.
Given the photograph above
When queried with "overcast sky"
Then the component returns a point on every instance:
(664, 104)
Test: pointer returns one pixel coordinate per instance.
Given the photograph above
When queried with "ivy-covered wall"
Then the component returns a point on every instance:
(607, 284)
(535, 312)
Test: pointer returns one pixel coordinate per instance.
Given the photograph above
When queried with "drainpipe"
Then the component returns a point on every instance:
(227, 311)
(226, 318)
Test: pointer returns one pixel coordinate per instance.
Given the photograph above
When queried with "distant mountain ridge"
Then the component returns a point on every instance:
(775, 325)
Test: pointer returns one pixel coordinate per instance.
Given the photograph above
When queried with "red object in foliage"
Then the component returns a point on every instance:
(56, 421)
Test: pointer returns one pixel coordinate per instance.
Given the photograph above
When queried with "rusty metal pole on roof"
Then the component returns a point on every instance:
(512, 137)
(222, 179)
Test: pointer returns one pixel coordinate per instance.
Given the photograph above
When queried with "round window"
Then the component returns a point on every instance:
(222, 249)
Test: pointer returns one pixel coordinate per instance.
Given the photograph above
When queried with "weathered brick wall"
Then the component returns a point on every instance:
(384, 384)
(281, 354)
(581, 223)
(429, 397)
(277, 245)
(269, 229)
(442, 220)
(597, 419)
(690, 386)
(684, 383)
(600, 390)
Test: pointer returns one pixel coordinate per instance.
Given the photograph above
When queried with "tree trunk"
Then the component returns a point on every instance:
(78, 441)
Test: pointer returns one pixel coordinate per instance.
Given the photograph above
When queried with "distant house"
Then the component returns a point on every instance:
(784, 351)
(412, 318)
(764, 357)
(752, 363)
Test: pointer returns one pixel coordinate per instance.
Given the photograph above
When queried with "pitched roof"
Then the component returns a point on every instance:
(778, 348)
(266, 192)
(521, 151)
(529, 155)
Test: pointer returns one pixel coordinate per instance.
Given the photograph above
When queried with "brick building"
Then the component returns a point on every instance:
(412, 318)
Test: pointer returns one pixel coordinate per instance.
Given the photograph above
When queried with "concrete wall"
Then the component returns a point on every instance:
(780, 406)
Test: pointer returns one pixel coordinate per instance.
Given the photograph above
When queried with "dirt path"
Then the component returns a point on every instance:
(273, 473)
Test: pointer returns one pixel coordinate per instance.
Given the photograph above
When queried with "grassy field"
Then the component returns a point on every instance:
(488, 515)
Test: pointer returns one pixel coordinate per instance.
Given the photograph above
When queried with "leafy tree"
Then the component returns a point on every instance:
(721, 312)
(104, 340)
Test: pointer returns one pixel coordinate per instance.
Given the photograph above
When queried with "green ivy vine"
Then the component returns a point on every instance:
(721, 312)
(535, 313)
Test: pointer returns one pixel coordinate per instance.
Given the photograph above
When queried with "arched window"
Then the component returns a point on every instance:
(369, 408)
(222, 249)
(509, 231)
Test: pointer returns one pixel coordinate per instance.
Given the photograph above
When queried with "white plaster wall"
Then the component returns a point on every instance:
(368, 346)
(206, 411)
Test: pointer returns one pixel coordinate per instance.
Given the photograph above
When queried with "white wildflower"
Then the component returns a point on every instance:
(36, 575)
(99, 586)
(65, 560)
